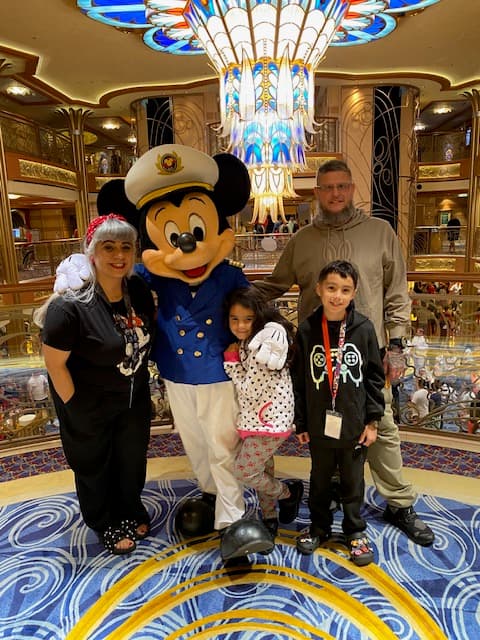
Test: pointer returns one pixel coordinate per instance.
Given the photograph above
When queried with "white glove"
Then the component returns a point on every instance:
(72, 273)
(272, 345)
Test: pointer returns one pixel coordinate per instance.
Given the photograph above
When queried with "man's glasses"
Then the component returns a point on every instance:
(330, 188)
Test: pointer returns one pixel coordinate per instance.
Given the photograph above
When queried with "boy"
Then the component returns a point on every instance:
(338, 379)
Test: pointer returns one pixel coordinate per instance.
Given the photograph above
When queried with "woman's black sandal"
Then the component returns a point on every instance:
(112, 536)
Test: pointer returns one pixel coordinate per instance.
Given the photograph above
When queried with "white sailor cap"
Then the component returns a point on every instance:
(168, 168)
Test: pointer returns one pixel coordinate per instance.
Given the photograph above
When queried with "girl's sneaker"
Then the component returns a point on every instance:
(309, 541)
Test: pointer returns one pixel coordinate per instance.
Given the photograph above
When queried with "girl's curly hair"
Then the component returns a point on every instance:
(264, 312)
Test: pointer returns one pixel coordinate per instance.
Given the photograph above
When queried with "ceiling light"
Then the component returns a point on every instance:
(132, 138)
(18, 90)
(419, 126)
(111, 125)
(442, 110)
(13, 196)
(462, 195)
(265, 53)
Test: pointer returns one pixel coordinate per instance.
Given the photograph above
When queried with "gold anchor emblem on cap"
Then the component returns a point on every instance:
(169, 163)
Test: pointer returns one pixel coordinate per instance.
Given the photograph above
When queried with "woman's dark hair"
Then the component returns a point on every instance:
(343, 268)
(251, 299)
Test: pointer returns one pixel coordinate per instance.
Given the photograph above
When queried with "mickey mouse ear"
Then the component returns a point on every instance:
(112, 199)
(232, 191)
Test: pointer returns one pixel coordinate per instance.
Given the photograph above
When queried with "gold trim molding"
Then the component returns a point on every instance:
(435, 264)
(436, 171)
(40, 171)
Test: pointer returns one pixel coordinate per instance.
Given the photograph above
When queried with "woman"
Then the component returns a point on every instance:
(95, 343)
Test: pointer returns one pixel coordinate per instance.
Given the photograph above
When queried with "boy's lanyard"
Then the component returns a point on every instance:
(333, 376)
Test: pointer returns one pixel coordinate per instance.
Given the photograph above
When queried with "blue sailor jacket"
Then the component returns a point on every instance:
(192, 332)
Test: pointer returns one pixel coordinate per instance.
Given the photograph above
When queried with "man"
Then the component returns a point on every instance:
(37, 386)
(340, 231)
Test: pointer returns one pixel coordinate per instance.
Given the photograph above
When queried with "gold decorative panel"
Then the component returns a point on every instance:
(437, 171)
(435, 264)
(40, 171)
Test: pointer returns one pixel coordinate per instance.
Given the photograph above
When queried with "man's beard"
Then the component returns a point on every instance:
(333, 219)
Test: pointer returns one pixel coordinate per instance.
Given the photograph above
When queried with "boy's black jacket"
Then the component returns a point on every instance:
(359, 398)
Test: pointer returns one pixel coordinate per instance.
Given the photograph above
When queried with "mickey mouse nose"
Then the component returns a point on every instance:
(186, 242)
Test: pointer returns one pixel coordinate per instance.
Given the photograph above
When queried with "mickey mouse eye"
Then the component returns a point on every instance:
(172, 233)
(197, 227)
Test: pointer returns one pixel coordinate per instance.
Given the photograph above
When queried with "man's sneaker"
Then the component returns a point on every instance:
(361, 552)
(408, 521)
(288, 507)
(308, 542)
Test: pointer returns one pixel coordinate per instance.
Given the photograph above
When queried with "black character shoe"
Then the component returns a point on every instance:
(288, 507)
(309, 541)
(408, 521)
(361, 552)
(272, 526)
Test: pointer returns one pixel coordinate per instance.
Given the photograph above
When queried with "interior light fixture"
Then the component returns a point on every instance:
(442, 110)
(265, 53)
(13, 196)
(18, 90)
(420, 126)
(110, 125)
(462, 195)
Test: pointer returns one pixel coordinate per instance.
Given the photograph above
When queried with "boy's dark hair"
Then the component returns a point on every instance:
(333, 165)
(249, 298)
(343, 268)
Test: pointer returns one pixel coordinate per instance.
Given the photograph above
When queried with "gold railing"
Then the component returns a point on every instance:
(40, 259)
(29, 138)
(448, 359)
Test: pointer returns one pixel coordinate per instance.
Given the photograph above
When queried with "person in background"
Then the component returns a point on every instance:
(265, 398)
(340, 231)
(96, 342)
(421, 398)
(338, 379)
(37, 388)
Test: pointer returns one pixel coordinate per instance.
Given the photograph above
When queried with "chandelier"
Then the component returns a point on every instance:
(265, 53)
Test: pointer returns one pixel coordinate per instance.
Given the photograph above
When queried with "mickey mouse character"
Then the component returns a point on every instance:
(184, 198)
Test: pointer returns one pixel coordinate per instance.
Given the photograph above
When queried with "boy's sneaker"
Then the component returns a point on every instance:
(308, 542)
(361, 552)
(289, 507)
(408, 521)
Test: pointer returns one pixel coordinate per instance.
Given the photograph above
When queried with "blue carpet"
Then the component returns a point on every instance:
(57, 582)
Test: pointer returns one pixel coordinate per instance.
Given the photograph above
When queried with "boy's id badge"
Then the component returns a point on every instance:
(333, 424)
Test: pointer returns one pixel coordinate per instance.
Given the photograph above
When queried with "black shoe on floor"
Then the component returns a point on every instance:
(288, 507)
(361, 552)
(408, 521)
(309, 541)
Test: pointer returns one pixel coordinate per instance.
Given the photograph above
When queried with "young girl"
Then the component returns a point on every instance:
(266, 405)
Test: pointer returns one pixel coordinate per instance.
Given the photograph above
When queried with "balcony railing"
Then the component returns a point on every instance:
(29, 138)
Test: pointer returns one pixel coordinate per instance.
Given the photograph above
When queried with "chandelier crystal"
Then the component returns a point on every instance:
(265, 53)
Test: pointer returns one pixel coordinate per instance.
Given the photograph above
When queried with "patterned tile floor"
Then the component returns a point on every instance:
(415, 455)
